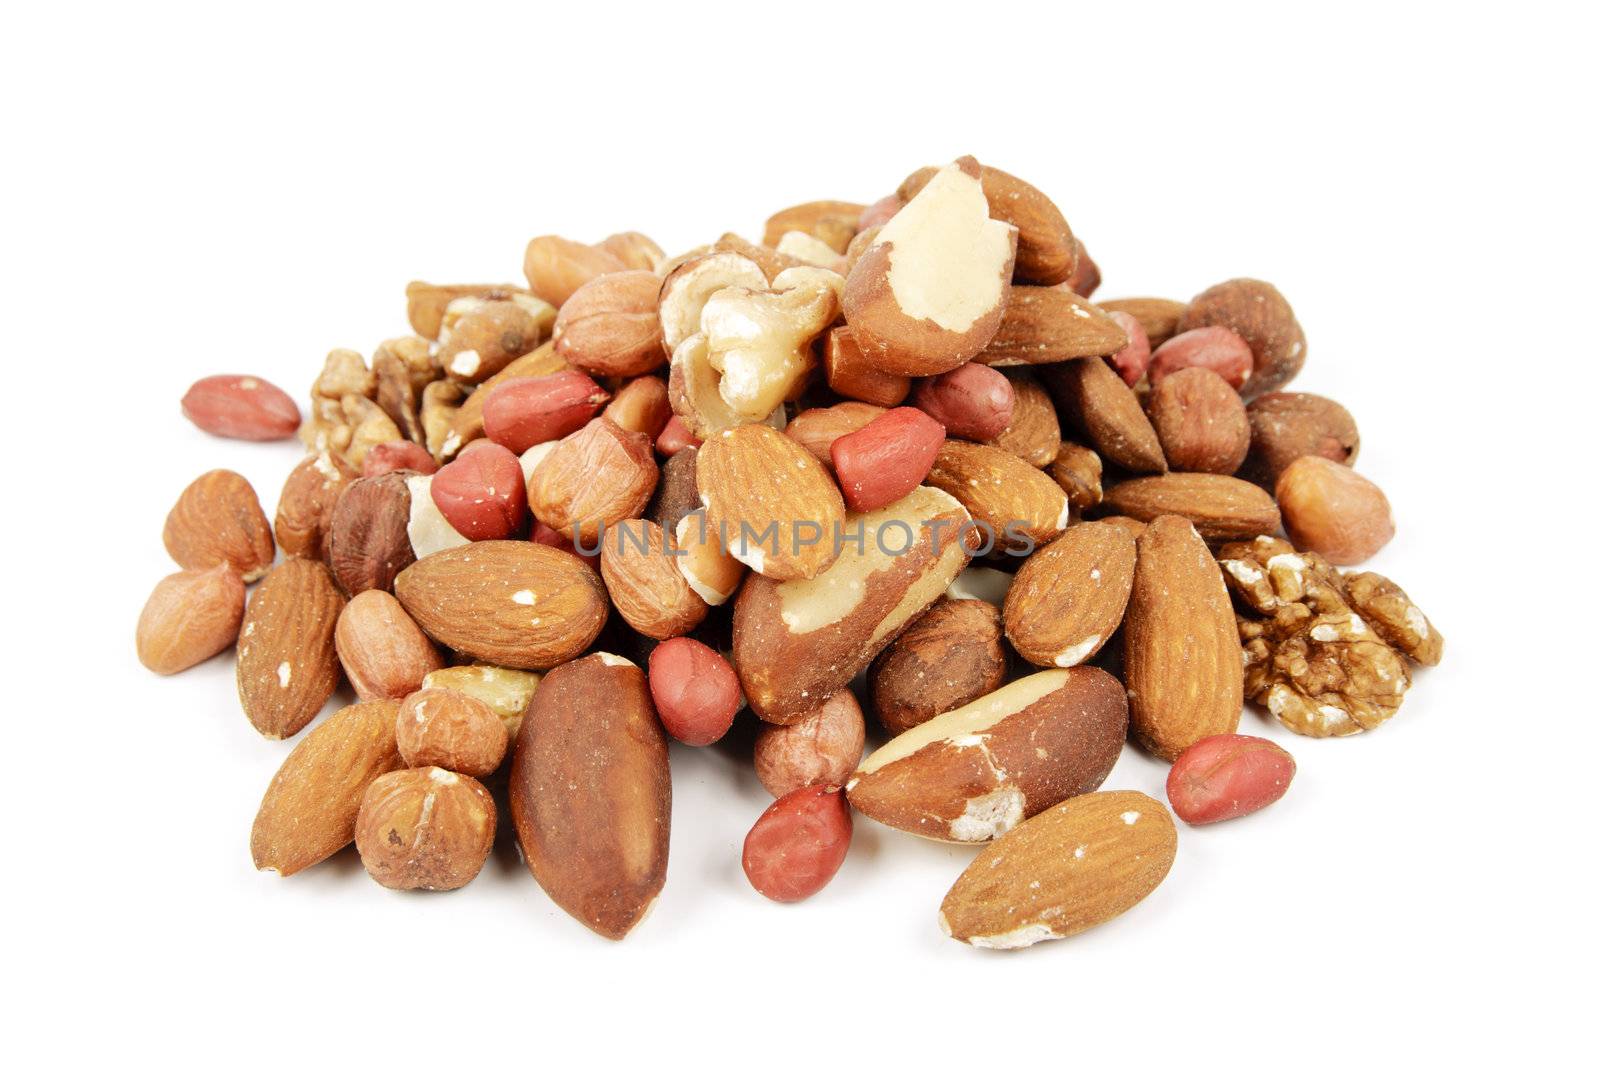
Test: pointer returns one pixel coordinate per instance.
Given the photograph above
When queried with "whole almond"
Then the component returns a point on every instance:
(190, 617)
(1020, 505)
(1180, 648)
(1083, 862)
(596, 478)
(1158, 317)
(384, 654)
(1220, 507)
(951, 656)
(1048, 326)
(642, 577)
(511, 603)
(309, 811)
(287, 664)
(1034, 435)
(773, 497)
(1069, 597)
(305, 506)
(241, 406)
(1093, 399)
(368, 543)
(591, 793)
(218, 519)
(833, 222)
(610, 325)
(1200, 420)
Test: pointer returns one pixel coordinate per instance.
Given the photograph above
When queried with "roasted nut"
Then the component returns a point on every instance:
(704, 561)
(441, 402)
(1266, 574)
(448, 728)
(426, 303)
(1258, 313)
(556, 267)
(1330, 509)
(641, 406)
(382, 651)
(368, 538)
(1227, 776)
(1077, 471)
(427, 530)
(481, 493)
(877, 213)
(1216, 348)
(833, 222)
(1020, 506)
(1157, 317)
(425, 828)
(676, 492)
(675, 436)
(819, 750)
(808, 249)
(641, 575)
(692, 389)
(345, 373)
(1133, 358)
(285, 663)
(1096, 402)
(241, 406)
(305, 506)
(777, 503)
(404, 367)
(816, 429)
(1047, 253)
(886, 459)
(770, 260)
(524, 412)
(593, 479)
(1049, 326)
(1069, 597)
(685, 290)
(1034, 435)
(397, 456)
(850, 374)
(1390, 612)
(798, 844)
(972, 401)
(218, 519)
(1286, 426)
(190, 617)
(1200, 420)
(1221, 508)
(369, 425)
(610, 326)
(1322, 675)
(466, 425)
(504, 691)
(634, 250)
(974, 773)
(760, 342)
(696, 692)
(929, 293)
(480, 337)
(950, 656)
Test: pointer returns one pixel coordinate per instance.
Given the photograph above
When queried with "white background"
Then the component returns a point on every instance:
(227, 188)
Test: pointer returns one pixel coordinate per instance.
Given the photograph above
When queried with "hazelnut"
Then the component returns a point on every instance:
(822, 749)
(1258, 313)
(368, 540)
(610, 326)
(1200, 421)
(425, 828)
(447, 728)
(1331, 510)
(479, 337)
(1286, 426)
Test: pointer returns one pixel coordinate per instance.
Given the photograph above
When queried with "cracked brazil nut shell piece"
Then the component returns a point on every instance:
(977, 771)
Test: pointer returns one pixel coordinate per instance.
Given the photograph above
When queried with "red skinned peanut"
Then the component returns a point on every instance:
(544, 534)
(241, 406)
(887, 458)
(481, 493)
(524, 412)
(1216, 348)
(798, 844)
(397, 456)
(675, 437)
(695, 691)
(972, 401)
(1227, 776)
(1132, 359)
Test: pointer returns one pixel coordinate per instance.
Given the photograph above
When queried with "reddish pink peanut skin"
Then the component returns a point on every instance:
(1216, 348)
(481, 492)
(885, 459)
(972, 401)
(675, 437)
(549, 535)
(241, 406)
(695, 691)
(524, 412)
(397, 456)
(798, 844)
(1227, 776)
(1132, 359)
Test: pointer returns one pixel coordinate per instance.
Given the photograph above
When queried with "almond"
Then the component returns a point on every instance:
(979, 770)
(383, 653)
(950, 656)
(1221, 508)
(1069, 597)
(1180, 647)
(1077, 471)
(309, 811)
(591, 795)
(190, 617)
(1034, 435)
(512, 603)
(1086, 860)
(777, 504)
(816, 429)
(368, 539)
(287, 665)
(1049, 326)
(703, 560)
(642, 577)
(796, 643)
(305, 506)
(241, 406)
(1021, 506)
(218, 519)
(1099, 404)
(1157, 316)
(596, 478)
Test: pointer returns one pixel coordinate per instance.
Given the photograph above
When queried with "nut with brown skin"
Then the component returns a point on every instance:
(1047, 252)
(218, 519)
(951, 656)
(1200, 420)
(816, 429)
(1221, 508)
(640, 569)
(383, 653)
(634, 250)
(480, 337)
(1286, 426)
(368, 539)
(641, 406)
(821, 749)
(1069, 597)
(833, 222)
(1077, 471)
(425, 828)
(851, 374)
(676, 493)
(776, 501)
(1049, 326)
(1392, 615)
(1020, 504)
(1330, 509)
(556, 267)
(1096, 402)
(1158, 317)
(448, 728)
(504, 691)
(610, 326)
(285, 663)
(1258, 313)
(1035, 431)
(305, 506)
(190, 617)
(425, 302)
(598, 477)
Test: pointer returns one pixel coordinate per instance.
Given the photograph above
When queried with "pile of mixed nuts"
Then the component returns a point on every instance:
(928, 474)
